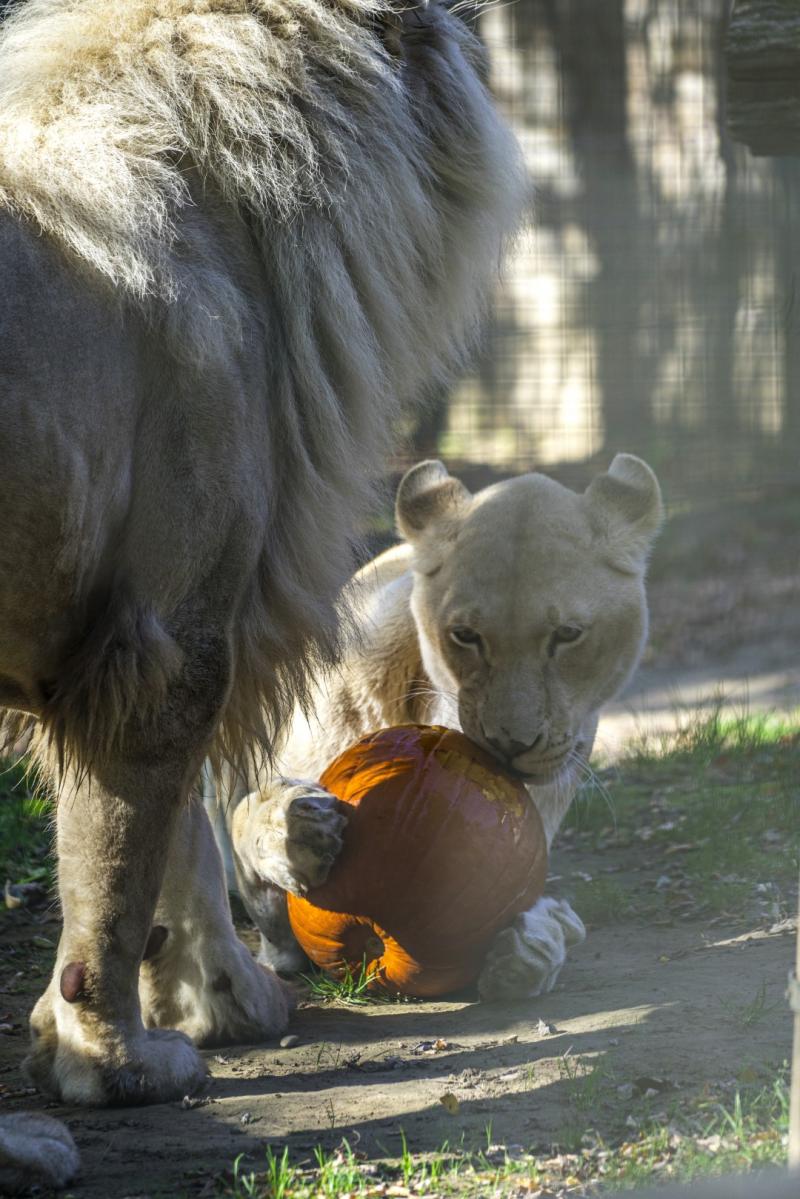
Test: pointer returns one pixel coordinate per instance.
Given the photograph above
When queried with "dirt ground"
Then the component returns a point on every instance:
(652, 1008)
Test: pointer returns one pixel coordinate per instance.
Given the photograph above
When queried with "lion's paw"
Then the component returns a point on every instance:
(299, 837)
(282, 954)
(204, 982)
(36, 1152)
(526, 959)
(245, 1003)
(102, 1066)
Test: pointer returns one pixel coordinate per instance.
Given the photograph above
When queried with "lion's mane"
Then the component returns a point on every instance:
(354, 147)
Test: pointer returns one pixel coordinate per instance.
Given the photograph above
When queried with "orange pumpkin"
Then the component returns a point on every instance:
(441, 851)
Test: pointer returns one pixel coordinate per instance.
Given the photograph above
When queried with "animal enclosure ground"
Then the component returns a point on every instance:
(660, 1053)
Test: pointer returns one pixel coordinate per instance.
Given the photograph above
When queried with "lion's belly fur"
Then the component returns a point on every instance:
(237, 238)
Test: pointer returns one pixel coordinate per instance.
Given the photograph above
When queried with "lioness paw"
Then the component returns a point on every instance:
(526, 959)
(300, 837)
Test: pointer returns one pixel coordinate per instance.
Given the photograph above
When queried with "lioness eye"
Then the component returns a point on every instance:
(563, 635)
(462, 635)
(568, 632)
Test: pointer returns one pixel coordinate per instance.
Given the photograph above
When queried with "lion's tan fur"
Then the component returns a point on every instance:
(237, 237)
(260, 169)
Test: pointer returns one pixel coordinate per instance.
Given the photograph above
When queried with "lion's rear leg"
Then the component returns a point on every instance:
(197, 975)
(115, 821)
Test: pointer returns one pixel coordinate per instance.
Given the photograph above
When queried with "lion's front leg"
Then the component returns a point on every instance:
(89, 1043)
(197, 976)
(285, 838)
(526, 959)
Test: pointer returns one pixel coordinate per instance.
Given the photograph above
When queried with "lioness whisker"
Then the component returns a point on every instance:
(592, 780)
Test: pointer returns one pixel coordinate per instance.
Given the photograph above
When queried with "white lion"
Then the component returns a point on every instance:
(513, 615)
(236, 237)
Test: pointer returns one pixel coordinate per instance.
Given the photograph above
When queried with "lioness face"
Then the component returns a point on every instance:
(530, 605)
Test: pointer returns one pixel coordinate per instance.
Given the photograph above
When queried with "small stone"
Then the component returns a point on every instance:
(290, 1041)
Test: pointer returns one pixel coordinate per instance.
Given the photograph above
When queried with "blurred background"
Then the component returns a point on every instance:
(654, 307)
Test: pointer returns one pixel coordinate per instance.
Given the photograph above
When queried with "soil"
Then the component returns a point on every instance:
(659, 1004)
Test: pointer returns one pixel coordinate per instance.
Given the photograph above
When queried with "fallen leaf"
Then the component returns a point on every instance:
(437, 1046)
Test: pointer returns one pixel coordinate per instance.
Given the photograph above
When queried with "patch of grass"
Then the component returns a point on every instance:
(277, 1180)
(589, 1087)
(715, 806)
(586, 1081)
(747, 1132)
(732, 1132)
(25, 833)
(749, 1014)
(352, 987)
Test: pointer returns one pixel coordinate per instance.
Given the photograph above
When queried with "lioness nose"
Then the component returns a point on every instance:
(509, 748)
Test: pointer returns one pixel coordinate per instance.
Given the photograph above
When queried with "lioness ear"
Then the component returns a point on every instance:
(625, 508)
(427, 494)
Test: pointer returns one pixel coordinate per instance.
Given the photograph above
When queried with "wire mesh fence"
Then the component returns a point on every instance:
(654, 305)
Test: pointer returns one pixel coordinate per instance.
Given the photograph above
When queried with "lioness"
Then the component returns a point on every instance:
(237, 237)
(513, 615)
